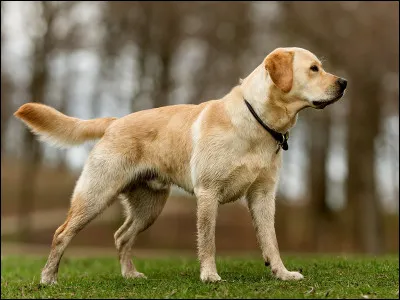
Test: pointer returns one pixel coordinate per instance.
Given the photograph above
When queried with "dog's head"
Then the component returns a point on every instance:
(297, 75)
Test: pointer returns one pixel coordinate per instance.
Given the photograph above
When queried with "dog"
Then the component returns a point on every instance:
(220, 151)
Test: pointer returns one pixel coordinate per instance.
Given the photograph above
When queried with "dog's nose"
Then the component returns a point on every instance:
(342, 83)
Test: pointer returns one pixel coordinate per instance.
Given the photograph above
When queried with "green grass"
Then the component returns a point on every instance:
(325, 277)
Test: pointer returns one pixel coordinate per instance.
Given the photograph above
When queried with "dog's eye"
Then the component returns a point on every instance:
(314, 68)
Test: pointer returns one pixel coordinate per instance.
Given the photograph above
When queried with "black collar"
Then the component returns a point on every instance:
(281, 139)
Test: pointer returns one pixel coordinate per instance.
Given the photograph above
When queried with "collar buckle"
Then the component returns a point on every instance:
(285, 138)
(284, 144)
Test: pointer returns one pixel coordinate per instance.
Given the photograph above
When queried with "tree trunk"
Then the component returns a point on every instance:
(363, 202)
(5, 107)
(161, 97)
(32, 153)
(32, 158)
(5, 90)
(320, 213)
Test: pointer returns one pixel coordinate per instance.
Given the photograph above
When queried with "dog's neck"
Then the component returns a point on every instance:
(261, 93)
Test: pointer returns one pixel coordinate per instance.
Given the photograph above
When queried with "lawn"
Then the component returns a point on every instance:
(325, 277)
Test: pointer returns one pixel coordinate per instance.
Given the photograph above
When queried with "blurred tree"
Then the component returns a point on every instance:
(140, 17)
(44, 42)
(227, 36)
(5, 85)
(213, 44)
(319, 130)
(330, 29)
(157, 30)
(113, 24)
(165, 36)
(153, 29)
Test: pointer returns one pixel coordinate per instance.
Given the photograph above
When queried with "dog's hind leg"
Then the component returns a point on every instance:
(101, 180)
(142, 205)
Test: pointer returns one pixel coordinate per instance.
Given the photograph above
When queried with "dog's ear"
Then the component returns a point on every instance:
(279, 64)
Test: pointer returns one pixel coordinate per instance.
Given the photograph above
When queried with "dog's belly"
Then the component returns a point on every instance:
(184, 183)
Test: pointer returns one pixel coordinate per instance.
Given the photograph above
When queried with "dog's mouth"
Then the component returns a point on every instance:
(320, 104)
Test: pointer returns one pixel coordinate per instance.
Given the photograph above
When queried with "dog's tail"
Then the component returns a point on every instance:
(58, 129)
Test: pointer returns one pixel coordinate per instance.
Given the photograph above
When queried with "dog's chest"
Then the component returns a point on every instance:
(245, 171)
(232, 169)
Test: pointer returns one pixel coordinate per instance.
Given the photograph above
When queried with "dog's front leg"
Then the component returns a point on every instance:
(261, 200)
(207, 209)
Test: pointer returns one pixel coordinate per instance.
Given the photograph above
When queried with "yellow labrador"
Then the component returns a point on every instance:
(220, 150)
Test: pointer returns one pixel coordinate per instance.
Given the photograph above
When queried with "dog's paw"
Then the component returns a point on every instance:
(209, 277)
(135, 274)
(48, 279)
(287, 275)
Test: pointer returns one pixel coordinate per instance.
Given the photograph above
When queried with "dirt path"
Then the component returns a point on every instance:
(41, 220)
(43, 251)
(51, 219)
